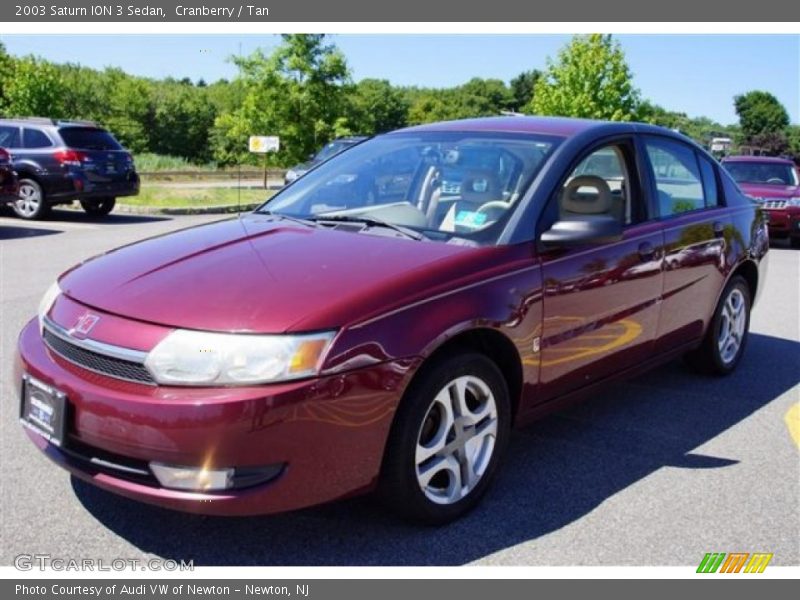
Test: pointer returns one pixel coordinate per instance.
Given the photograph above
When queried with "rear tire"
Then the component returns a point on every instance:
(447, 440)
(98, 207)
(794, 242)
(32, 203)
(726, 338)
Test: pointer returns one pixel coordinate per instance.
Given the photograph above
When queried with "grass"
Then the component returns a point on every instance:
(172, 197)
(148, 162)
(161, 168)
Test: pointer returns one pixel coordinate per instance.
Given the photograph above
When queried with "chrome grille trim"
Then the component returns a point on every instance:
(98, 357)
(775, 204)
(94, 346)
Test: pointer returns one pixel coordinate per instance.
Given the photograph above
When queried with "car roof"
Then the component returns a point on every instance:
(544, 125)
(759, 159)
(552, 126)
(48, 123)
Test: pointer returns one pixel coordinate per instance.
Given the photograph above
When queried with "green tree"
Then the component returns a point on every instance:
(297, 92)
(130, 109)
(482, 97)
(85, 93)
(793, 139)
(6, 73)
(34, 88)
(476, 98)
(376, 107)
(182, 120)
(701, 129)
(760, 113)
(590, 79)
(522, 89)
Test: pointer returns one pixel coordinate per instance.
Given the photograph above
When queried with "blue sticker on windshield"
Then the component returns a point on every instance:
(468, 218)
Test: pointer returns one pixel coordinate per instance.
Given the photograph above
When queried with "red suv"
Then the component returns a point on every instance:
(775, 184)
(383, 322)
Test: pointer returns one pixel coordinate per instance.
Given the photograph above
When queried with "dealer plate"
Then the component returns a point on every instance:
(43, 409)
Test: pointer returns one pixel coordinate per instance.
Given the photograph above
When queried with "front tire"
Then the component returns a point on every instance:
(32, 204)
(98, 207)
(450, 432)
(726, 338)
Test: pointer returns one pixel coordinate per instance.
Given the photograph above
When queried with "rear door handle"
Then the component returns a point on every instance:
(646, 250)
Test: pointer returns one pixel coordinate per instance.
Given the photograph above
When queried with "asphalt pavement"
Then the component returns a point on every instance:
(655, 471)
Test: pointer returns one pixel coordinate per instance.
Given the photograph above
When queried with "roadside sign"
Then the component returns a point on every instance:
(261, 144)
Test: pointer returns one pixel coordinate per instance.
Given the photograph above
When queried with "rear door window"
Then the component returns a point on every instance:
(89, 138)
(33, 138)
(677, 175)
(9, 136)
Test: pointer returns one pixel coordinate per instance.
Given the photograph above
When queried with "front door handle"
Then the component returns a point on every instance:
(719, 228)
(646, 251)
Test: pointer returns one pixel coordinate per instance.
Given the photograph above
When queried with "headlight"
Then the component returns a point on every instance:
(794, 201)
(47, 301)
(187, 357)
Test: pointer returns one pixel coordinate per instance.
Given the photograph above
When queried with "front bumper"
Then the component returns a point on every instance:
(328, 433)
(784, 222)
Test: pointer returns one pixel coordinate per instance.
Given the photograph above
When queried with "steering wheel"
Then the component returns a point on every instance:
(493, 205)
(776, 180)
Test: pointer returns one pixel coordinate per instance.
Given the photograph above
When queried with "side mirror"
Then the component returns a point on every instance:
(583, 229)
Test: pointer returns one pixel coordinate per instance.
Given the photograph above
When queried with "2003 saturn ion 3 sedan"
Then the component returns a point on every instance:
(385, 320)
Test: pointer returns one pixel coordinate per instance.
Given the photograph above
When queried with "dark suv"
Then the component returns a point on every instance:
(62, 161)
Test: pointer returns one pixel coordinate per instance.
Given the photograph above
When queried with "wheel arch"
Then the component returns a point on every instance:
(749, 271)
(493, 344)
(28, 172)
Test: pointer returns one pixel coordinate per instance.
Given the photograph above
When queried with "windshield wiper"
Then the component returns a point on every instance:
(306, 222)
(372, 222)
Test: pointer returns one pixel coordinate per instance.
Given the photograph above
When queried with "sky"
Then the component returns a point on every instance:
(695, 74)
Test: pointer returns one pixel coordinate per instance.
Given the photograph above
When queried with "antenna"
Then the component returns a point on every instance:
(239, 162)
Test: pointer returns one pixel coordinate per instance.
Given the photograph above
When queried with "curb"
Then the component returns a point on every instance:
(185, 210)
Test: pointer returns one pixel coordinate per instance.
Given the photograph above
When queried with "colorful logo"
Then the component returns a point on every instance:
(84, 324)
(734, 562)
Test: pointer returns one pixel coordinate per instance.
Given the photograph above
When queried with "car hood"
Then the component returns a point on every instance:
(759, 191)
(264, 274)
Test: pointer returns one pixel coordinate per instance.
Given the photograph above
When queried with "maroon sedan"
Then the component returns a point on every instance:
(383, 322)
(9, 183)
(773, 182)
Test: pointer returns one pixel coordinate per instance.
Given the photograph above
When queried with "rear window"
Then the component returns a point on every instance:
(88, 138)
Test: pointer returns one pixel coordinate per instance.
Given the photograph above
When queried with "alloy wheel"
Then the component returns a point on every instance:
(456, 440)
(29, 200)
(733, 323)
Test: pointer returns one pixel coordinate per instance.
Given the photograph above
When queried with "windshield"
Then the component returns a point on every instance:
(762, 172)
(449, 187)
(331, 149)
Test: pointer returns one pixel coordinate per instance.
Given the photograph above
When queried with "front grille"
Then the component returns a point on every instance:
(96, 362)
(775, 203)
